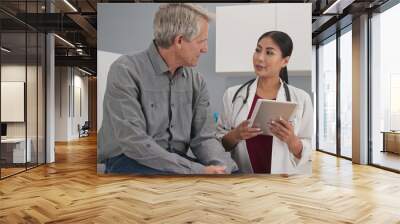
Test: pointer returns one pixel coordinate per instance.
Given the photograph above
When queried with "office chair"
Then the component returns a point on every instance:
(84, 130)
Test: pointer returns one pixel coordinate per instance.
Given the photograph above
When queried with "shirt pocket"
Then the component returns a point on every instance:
(155, 108)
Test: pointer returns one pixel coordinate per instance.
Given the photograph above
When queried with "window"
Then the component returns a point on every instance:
(385, 88)
(346, 93)
(22, 65)
(327, 96)
(394, 102)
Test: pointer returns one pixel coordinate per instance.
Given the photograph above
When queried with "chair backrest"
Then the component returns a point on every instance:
(86, 125)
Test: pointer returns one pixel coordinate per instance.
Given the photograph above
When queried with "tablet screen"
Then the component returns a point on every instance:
(268, 110)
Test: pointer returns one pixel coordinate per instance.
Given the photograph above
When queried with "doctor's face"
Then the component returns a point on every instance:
(190, 51)
(267, 58)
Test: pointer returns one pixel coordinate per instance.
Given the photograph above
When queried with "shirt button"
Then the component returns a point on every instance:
(172, 125)
(172, 105)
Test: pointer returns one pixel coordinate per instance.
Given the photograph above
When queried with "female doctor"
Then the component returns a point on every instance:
(288, 151)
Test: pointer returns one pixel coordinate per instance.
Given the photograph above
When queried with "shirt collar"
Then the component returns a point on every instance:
(159, 65)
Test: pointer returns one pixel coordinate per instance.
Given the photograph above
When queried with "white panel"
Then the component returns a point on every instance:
(12, 101)
(238, 28)
(50, 93)
(19, 153)
(295, 20)
(104, 61)
(237, 31)
(14, 73)
(76, 119)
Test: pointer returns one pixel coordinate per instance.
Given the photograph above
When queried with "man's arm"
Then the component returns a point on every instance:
(204, 144)
(123, 107)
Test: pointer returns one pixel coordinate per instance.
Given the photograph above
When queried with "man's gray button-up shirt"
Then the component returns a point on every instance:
(153, 116)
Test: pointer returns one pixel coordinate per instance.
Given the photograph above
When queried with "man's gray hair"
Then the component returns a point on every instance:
(178, 19)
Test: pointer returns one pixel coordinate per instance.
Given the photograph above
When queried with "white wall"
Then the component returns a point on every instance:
(104, 61)
(238, 28)
(33, 125)
(68, 81)
(314, 92)
(80, 83)
(12, 73)
(12, 101)
(61, 103)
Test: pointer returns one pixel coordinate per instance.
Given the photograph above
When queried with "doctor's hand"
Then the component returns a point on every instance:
(243, 131)
(283, 130)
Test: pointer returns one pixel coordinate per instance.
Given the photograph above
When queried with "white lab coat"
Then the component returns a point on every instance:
(283, 161)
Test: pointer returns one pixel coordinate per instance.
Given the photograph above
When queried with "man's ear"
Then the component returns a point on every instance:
(178, 41)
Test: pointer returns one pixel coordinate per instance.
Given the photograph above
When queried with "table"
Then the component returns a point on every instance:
(391, 141)
(13, 150)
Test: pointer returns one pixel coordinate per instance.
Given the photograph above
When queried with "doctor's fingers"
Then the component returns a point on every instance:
(252, 130)
(285, 123)
(279, 127)
(281, 131)
(249, 135)
(279, 135)
(246, 135)
(246, 128)
(244, 123)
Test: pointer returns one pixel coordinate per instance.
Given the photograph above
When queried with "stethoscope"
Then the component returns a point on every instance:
(248, 84)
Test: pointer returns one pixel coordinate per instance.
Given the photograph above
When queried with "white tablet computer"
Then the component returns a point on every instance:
(268, 110)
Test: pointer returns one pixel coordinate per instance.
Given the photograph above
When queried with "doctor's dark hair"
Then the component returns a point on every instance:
(285, 44)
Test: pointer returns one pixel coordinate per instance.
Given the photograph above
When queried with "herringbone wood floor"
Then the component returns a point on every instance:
(70, 191)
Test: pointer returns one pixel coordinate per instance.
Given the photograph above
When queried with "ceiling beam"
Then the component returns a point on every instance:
(84, 24)
(83, 61)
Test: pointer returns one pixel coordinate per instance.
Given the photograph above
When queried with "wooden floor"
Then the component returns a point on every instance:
(387, 159)
(5, 172)
(70, 191)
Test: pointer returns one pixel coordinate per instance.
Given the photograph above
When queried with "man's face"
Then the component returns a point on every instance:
(190, 51)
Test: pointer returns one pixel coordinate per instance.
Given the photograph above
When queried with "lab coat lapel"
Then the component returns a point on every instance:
(281, 96)
(252, 94)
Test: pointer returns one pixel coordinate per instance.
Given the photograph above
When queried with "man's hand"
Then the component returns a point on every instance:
(214, 170)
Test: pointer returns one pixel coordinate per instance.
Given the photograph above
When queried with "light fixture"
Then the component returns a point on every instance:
(65, 41)
(5, 50)
(84, 71)
(79, 51)
(70, 5)
(337, 7)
